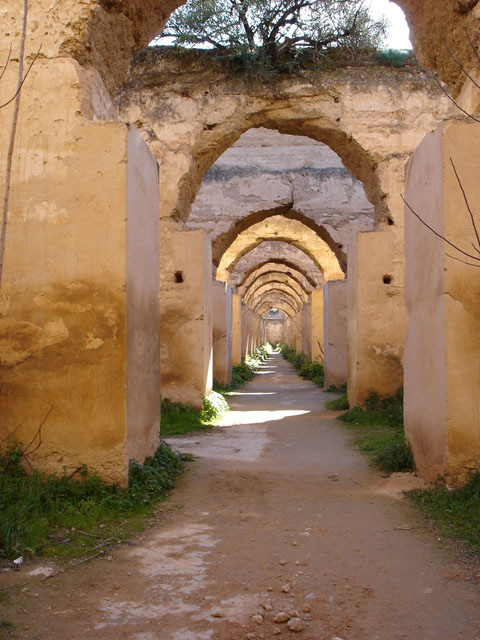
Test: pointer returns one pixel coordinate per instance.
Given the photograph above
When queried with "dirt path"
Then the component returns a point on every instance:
(277, 513)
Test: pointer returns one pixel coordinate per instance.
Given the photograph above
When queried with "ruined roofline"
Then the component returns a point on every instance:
(155, 67)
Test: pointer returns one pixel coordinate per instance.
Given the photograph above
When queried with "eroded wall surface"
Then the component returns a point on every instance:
(67, 286)
(376, 317)
(186, 315)
(442, 355)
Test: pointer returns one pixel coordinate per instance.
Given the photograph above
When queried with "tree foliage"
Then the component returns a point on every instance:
(274, 29)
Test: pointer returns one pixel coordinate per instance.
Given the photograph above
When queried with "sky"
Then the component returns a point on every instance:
(398, 36)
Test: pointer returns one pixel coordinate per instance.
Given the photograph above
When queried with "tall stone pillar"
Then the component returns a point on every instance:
(335, 332)
(186, 315)
(245, 333)
(442, 352)
(79, 310)
(376, 316)
(236, 329)
(316, 298)
(298, 320)
(222, 333)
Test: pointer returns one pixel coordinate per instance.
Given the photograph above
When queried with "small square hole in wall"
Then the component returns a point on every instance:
(387, 279)
(178, 277)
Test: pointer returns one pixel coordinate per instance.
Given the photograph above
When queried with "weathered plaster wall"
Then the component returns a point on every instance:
(442, 355)
(143, 302)
(186, 315)
(335, 332)
(316, 324)
(376, 317)
(275, 329)
(64, 301)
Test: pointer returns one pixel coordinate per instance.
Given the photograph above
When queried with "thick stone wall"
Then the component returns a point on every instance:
(186, 315)
(442, 354)
(335, 333)
(78, 281)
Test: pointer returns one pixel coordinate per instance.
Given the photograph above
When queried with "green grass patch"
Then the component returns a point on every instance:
(50, 515)
(339, 404)
(456, 511)
(334, 388)
(179, 418)
(309, 369)
(380, 432)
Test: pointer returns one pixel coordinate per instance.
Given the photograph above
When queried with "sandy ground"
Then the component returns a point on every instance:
(278, 513)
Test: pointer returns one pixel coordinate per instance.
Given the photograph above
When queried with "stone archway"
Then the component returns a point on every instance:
(280, 229)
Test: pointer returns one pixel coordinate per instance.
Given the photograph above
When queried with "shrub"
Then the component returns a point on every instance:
(35, 509)
(339, 404)
(457, 510)
(380, 430)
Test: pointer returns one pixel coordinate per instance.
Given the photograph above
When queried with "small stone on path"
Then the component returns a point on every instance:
(257, 619)
(285, 588)
(216, 612)
(296, 625)
(282, 616)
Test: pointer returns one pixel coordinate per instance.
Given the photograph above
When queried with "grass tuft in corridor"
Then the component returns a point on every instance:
(59, 516)
(456, 511)
(179, 418)
(308, 368)
(380, 432)
(339, 404)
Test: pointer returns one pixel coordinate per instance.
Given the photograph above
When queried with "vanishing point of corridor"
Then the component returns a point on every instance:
(276, 514)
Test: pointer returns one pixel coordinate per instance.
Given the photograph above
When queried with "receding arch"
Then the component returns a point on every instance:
(277, 286)
(277, 301)
(275, 276)
(222, 242)
(274, 263)
(267, 305)
(280, 229)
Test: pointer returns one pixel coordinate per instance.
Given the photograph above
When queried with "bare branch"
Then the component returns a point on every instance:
(461, 67)
(11, 145)
(439, 235)
(467, 204)
(470, 264)
(19, 88)
(38, 435)
(454, 101)
(6, 62)
(474, 48)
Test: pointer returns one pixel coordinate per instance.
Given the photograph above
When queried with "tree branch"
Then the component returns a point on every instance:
(467, 204)
(11, 145)
(439, 235)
